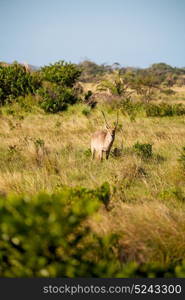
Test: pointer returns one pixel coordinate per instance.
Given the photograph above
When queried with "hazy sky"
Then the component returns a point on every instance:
(131, 32)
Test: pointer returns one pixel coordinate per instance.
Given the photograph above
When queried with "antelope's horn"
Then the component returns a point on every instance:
(105, 118)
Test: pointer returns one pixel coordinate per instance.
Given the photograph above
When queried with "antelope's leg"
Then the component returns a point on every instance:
(107, 154)
(93, 153)
(100, 156)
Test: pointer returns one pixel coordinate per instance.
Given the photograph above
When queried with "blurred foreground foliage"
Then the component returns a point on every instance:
(48, 236)
(164, 109)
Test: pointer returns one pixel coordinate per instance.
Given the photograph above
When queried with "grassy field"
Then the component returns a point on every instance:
(43, 152)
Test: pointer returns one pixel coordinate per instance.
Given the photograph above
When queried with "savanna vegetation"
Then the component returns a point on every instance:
(65, 215)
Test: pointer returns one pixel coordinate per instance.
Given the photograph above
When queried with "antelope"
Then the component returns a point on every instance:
(102, 140)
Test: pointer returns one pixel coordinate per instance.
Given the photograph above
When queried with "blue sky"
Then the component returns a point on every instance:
(131, 32)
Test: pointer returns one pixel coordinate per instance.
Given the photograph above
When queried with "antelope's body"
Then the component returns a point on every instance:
(102, 140)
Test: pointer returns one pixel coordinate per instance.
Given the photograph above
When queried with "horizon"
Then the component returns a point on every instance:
(129, 66)
(133, 33)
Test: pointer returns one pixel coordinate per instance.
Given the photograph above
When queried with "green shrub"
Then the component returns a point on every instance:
(86, 111)
(178, 109)
(144, 150)
(56, 98)
(166, 110)
(174, 192)
(87, 95)
(103, 193)
(168, 92)
(89, 99)
(152, 110)
(11, 158)
(130, 108)
(61, 73)
(153, 270)
(27, 104)
(116, 152)
(16, 81)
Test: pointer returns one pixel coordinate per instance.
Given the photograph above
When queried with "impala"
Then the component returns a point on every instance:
(102, 140)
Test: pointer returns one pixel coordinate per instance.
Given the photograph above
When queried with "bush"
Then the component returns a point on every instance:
(61, 73)
(164, 109)
(89, 99)
(47, 236)
(144, 150)
(178, 109)
(159, 110)
(56, 98)
(87, 95)
(16, 81)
